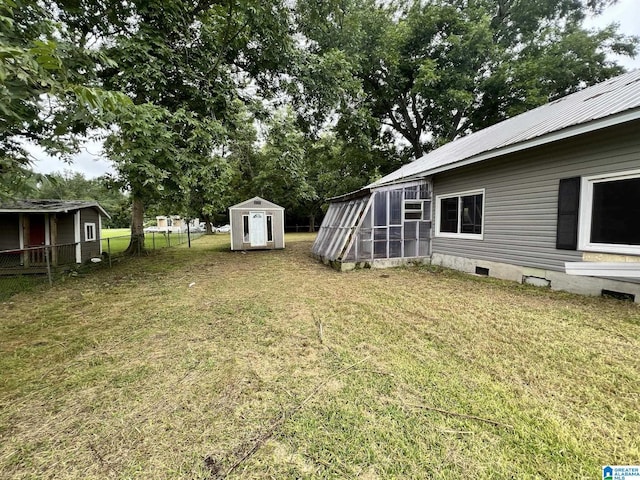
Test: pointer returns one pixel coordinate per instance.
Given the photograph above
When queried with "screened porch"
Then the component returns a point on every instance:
(388, 223)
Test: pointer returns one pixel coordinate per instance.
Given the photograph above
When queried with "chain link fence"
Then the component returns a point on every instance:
(24, 269)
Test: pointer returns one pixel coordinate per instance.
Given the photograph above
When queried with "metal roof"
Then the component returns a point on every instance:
(48, 206)
(609, 103)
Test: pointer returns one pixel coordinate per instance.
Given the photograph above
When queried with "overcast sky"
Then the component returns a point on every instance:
(92, 164)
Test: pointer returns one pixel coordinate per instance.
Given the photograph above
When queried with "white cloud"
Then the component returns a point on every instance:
(90, 161)
(626, 14)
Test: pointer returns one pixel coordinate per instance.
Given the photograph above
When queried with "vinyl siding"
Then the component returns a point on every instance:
(521, 196)
(237, 228)
(65, 228)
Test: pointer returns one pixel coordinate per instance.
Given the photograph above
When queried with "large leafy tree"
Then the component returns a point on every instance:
(193, 62)
(430, 70)
(48, 90)
(279, 170)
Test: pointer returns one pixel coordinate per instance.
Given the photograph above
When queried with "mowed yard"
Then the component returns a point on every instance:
(205, 363)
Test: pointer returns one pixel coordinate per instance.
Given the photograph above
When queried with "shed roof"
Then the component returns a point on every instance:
(48, 206)
(612, 102)
(257, 203)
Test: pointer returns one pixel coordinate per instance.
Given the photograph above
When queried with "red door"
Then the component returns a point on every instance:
(36, 231)
(36, 238)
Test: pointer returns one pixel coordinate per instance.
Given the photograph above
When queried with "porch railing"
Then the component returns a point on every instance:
(37, 257)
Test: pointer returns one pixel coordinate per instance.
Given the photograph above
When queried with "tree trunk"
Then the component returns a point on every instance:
(312, 223)
(208, 230)
(417, 147)
(136, 244)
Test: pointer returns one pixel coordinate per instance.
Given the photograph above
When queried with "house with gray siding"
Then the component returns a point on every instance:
(549, 197)
(65, 231)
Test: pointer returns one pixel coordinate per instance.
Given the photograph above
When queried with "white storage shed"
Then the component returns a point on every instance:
(256, 224)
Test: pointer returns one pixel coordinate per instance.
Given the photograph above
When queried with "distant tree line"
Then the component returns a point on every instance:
(75, 186)
(202, 103)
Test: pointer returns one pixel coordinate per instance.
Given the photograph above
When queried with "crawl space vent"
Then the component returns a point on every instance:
(630, 297)
(482, 271)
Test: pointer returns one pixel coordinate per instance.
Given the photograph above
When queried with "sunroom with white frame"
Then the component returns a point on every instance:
(392, 222)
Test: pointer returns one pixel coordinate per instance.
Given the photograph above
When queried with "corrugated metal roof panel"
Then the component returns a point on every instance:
(47, 206)
(599, 103)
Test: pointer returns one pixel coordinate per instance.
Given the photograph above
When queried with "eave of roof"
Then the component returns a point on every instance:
(50, 206)
(265, 204)
(350, 195)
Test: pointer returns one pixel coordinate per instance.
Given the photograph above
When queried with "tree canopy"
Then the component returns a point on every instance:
(431, 71)
(207, 100)
(48, 92)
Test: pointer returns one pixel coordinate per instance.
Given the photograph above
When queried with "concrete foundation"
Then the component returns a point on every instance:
(543, 278)
(532, 276)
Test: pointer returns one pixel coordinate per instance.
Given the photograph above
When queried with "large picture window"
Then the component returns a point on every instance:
(460, 214)
(610, 213)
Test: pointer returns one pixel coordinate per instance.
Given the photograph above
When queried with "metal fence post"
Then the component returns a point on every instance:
(109, 250)
(153, 240)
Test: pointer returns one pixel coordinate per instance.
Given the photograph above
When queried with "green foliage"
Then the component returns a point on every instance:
(431, 71)
(185, 67)
(48, 93)
(280, 170)
(184, 87)
(74, 186)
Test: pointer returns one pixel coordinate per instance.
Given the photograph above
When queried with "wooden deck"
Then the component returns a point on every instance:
(20, 270)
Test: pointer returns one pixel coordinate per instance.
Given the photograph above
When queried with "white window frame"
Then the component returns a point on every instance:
(246, 236)
(269, 223)
(405, 210)
(586, 210)
(459, 234)
(87, 237)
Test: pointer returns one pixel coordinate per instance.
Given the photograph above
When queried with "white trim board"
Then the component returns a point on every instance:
(603, 269)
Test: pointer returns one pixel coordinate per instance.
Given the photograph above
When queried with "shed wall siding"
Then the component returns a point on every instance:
(10, 227)
(89, 249)
(65, 228)
(521, 195)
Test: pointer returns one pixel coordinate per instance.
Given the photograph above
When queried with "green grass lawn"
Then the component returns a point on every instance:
(205, 363)
(116, 240)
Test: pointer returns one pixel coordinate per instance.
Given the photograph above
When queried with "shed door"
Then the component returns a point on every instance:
(257, 229)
